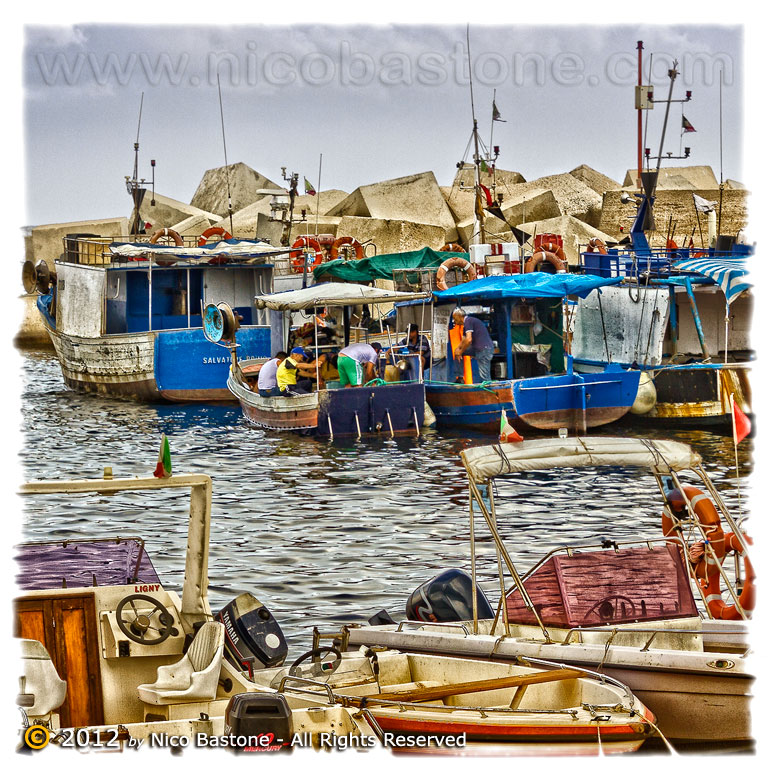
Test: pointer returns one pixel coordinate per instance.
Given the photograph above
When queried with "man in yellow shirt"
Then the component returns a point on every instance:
(288, 370)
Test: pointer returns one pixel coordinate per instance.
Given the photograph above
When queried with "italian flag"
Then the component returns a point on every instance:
(163, 468)
(508, 432)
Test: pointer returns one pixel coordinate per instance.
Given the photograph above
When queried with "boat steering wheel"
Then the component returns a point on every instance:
(316, 652)
(142, 624)
(612, 607)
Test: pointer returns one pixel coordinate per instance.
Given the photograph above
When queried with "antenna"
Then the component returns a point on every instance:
(720, 208)
(226, 164)
(135, 181)
(478, 205)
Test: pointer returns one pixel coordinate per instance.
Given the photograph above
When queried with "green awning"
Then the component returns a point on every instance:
(380, 267)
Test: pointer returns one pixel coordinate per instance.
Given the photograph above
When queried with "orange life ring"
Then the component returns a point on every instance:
(350, 241)
(453, 263)
(707, 571)
(298, 258)
(453, 248)
(211, 231)
(550, 252)
(596, 244)
(165, 232)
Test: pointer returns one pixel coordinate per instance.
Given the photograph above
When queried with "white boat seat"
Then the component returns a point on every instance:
(41, 689)
(195, 676)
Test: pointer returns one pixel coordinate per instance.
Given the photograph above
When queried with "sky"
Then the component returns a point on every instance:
(378, 101)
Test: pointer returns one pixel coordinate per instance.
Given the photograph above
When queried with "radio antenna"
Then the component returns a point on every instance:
(226, 164)
(135, 179)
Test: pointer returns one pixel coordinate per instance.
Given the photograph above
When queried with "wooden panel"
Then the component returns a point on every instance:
(67, 627)
(77, 653)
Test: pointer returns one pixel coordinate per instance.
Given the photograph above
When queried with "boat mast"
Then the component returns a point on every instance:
(478, 233)
(135, 180)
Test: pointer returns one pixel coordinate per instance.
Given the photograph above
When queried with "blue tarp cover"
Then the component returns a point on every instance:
(534, 285)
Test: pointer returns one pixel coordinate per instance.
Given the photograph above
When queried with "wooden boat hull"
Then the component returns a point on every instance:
(699, 397)
(388, 410)
(176, 365)
(576, 402)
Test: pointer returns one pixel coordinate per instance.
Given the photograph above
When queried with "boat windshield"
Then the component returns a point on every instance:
(84, 563)
(613, 586)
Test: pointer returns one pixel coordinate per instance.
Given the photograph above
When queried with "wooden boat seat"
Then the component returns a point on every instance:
(252, 370)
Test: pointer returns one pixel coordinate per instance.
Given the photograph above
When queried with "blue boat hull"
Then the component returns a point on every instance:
(576, 402)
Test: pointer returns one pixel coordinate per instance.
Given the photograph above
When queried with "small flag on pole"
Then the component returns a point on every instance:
(508, 433)
(487, 193)
(741, 424)
(497, 114)
(687, 127)
(163, 468)
(483, 166)
(308, 188)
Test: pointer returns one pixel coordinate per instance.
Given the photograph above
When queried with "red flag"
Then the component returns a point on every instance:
(687, 127)
(487, 193)
(508, 433)
(741, 424)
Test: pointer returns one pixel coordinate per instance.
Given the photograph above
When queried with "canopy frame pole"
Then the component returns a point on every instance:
(697, 319)
(502, 549)
(473, 561)
(505, 616)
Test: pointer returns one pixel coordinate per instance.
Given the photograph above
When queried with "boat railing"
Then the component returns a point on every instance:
(431, 624)
(282, 688)
(653, 631)
(626, 262)
(95, 251)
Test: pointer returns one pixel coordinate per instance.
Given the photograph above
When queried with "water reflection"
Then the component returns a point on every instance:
(322, 532)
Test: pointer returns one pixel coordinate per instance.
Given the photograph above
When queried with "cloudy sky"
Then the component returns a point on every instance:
(377, 101)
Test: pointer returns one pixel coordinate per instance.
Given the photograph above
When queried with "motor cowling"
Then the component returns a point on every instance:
(252, 638)
(447, 597)
(262, 719)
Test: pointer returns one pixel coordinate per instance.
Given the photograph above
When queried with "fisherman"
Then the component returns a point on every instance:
(476, 342)
(288, 370)
(358, 363)
(267, 385)
(417, 344)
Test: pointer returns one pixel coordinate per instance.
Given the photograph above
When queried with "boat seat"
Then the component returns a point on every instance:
(41, 689)
(195, 676)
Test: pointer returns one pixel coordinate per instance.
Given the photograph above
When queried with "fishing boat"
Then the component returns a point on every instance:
(533, 380)
(674, 316)
(125, 318)
(379, 408)
(626, 608)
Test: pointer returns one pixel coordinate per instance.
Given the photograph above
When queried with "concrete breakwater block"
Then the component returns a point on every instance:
(680, 177)
(244, 185)
(415, 198)
(594, 179)
(167, 212)
(46, 240)
(392, 235)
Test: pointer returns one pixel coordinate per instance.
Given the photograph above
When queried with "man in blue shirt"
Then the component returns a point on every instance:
(476, 342)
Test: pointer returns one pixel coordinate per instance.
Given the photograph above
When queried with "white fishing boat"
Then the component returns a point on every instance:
(624, 608)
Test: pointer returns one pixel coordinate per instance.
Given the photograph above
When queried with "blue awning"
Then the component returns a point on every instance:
(534, 285)
(729, 274)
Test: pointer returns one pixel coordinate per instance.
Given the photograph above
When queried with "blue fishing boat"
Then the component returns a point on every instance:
(378, 408)
(533, 380)
(125, 317)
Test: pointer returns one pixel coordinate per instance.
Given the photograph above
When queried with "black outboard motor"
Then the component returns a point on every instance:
(447, 597)
(252, 637)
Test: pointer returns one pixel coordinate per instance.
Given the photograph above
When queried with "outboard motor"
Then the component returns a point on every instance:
(447, 597)
(252, 638)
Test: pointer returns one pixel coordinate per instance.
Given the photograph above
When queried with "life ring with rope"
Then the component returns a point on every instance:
(550, 252)
(351, 242)
(298, 258)
(452, 248)
(596, 244)
(211, 231)
(707, 569)
(454, 263)
(166, 233)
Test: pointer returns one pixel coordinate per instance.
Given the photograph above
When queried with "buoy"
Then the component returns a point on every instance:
(646, 395)
(429, 415)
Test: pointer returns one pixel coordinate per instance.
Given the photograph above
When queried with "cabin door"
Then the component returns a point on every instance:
(66, 626)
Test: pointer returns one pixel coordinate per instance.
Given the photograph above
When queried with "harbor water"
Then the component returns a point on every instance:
(322, 532)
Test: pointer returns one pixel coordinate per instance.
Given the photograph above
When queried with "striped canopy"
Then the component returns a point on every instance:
(729, 274)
